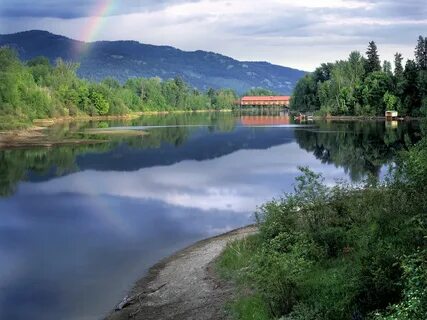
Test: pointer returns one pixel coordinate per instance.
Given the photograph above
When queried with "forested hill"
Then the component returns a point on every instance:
(125, 59)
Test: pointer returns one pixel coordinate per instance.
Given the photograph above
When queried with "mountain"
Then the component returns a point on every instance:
(127, 59)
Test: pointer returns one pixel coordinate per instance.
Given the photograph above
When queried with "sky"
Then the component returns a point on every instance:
(300, 34)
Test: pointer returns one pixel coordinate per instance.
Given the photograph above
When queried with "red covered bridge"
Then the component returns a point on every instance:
(260, 101)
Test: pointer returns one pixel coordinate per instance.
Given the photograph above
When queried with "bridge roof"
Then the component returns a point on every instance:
(266, 98)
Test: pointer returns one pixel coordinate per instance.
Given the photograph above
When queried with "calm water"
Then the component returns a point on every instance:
(80, 224)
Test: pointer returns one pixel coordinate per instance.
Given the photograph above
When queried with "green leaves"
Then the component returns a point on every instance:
(340, 253)
(99, 102)
(358, 85)
(38, 89)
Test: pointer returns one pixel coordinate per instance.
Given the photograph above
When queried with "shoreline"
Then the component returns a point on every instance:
(183, 283)
(129, 116)
(35, 136)
(363, 118)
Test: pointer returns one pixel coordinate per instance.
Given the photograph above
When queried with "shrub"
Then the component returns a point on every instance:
(342, 252)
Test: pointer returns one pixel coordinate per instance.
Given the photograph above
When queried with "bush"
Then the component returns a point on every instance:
(413, 306)
(341, 252)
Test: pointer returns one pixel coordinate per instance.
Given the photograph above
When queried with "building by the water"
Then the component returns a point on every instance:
(261, 101)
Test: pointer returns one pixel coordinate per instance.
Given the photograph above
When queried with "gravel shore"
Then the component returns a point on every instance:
(183, 286)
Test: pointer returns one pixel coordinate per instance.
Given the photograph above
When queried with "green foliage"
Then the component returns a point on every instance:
(376, 86)
(390, 101)
(223, 99)
(38, 89)
(421, 53)
(373, 60)
(250, 307)
(304, 97)
(413, 306)
(341, 252)
(99, 102)
(359, 86)
(398, 67)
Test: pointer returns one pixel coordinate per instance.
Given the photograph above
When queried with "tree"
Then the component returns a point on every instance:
(323, 73)
(422, 90)
(38, 61)
(10, 71)
(373, 60)
(41, 70)
(304, 97)
(398, 67)
(225, 99)
(375, 87)
(411, 94)
(360, 86)
(387, 67)
(421, 53)
(99, 102)
(390, 101)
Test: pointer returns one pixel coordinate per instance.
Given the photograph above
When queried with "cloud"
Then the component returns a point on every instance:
(300, 34)
(70, 9)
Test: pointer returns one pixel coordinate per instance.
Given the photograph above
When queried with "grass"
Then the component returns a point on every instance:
(250, 307)
(235, 258)
(12, 122)
(233, 265)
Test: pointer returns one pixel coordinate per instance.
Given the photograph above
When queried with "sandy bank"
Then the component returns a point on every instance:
(130, 116)
(36, 137)
(183, 286)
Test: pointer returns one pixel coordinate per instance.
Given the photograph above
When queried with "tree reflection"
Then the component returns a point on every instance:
(358, 147)
(16, 165)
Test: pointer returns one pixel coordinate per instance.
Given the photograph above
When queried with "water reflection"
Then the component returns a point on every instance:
(80, 224)
(358, 147)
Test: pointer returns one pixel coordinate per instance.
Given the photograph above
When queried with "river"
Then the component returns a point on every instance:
(80, 224)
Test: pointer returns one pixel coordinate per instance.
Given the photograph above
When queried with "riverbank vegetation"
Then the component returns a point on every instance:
(342, 252)
(363, 86)
(38, 89)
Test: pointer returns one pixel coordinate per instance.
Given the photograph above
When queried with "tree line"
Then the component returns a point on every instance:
(39, 89)
(362, 85)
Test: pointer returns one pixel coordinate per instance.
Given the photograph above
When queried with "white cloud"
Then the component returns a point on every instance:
(297, 34)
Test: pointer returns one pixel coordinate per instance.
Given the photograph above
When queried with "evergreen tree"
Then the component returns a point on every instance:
(387, 67)
(399, 81)
(373, 62)
(411, 93)
(421, 54)
(398, 67)
(425, 53)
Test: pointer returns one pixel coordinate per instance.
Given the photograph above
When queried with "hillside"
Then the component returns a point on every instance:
(126, 59)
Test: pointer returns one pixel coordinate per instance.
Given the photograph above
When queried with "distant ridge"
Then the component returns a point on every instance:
(126, 59)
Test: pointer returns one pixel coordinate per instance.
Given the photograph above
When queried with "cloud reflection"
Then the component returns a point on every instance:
(237, 182)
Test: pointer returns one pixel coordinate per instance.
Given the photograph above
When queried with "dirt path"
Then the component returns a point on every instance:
(183, 286)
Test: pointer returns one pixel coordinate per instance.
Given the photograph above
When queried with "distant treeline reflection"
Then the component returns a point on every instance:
(358, 147)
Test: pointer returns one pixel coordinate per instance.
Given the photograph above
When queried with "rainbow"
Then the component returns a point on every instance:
(102, 9)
